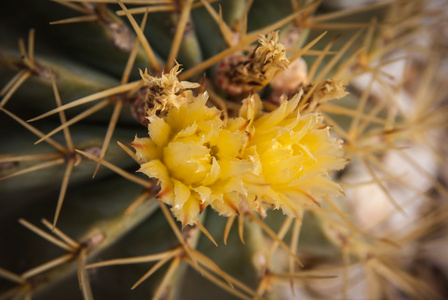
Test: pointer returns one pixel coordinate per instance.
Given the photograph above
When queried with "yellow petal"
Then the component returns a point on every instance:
(188, 162)
(256, 184)
(291, 205)
(189, 212)
(159, 131)
(214, 173)
(190, 130)
(187, 115)
(146, 149)
(280, 166)
(251, 108)
(156, 169)
(233, 167)
(228, 205)
(273, 118)
(237, 124)
(204, 193)
(322, 186)
(229, 143)
(181, 193)
(235, 184)
(293, 102)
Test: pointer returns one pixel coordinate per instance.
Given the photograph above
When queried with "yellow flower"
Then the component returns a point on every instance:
(293, 155)
(256, 161)
(195, 159)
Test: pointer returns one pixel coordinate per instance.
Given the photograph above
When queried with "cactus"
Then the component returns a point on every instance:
(240, 149)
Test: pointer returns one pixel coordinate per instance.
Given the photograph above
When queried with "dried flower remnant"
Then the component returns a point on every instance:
(324, 91)
(293, 154)
(195, 159)
(166, 91)
(238, 75)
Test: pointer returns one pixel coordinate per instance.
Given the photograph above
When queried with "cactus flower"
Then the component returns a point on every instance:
(195, 159)
(293, 154)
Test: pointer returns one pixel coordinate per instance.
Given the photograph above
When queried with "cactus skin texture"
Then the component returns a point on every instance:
(189, 149)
